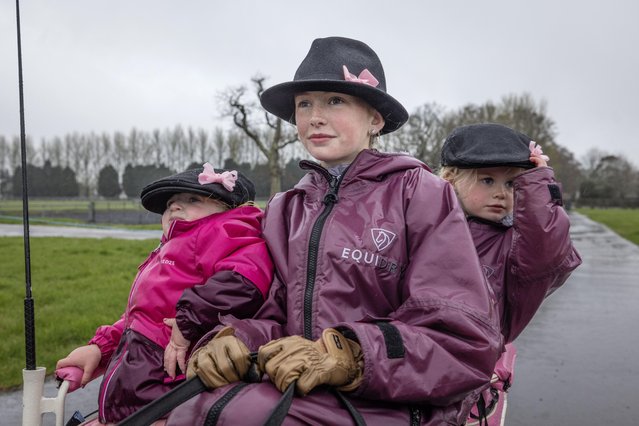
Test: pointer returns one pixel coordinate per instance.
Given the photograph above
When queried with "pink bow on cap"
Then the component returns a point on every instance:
(364, 77)
(227, 179)
(535, 151)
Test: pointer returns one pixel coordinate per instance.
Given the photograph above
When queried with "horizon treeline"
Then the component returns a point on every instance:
(119, 164)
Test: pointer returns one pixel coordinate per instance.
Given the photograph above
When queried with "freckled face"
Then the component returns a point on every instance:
(490, 197)
(189, 207)
(334, 127)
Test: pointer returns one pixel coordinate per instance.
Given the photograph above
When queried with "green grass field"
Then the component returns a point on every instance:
(624, 222)
(77, 285)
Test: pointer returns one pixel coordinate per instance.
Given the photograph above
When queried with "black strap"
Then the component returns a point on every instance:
(359, 420)
(161, 406)
(216, 409)
(277, 416)
(482, 412)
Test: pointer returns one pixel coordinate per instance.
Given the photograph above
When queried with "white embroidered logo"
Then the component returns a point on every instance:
(382, 238)
(488, 271)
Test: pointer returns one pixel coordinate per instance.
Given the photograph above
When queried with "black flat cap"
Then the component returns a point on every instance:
(486, 145)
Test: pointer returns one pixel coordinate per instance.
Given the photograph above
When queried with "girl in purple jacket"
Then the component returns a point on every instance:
(521, 231)
(211, 261)
(379, 311)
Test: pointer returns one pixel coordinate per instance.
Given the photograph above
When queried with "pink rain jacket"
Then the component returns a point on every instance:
(215, 265)
(385, 256)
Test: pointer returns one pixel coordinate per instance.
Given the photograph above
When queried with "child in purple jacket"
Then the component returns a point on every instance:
(379, 312)
(211, 261)
(521, 232)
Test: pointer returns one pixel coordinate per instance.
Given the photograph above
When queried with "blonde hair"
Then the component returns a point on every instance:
(461, 179)
(229, 207)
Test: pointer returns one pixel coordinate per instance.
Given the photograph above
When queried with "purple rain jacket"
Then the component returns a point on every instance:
(385, 256)
(526, 262)
(215, 265)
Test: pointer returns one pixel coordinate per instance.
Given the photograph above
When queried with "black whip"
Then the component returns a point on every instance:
(29, 317)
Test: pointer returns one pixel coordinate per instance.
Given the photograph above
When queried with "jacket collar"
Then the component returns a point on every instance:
(179, 227)
(486, 222)
(369, 164)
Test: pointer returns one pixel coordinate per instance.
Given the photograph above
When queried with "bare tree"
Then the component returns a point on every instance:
(617, 179)
(5, 171)
(522, 113)
(268, 134)
(155, 146)
(104, 151)
(220, 148)
(592, 158)
(88, 160)
(175, 148)
(203, 148)
(15, 153)
(54, 152)
(120, 154)
(136, 142)
(4, 153)
(423, 134)
(190, 144)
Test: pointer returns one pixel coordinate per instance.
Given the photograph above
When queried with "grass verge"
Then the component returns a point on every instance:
(624, 222)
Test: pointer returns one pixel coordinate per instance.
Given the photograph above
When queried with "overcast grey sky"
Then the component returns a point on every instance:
(108, 66)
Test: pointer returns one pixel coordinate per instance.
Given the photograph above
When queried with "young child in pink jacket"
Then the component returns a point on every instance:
(521, 232)
(211, 261)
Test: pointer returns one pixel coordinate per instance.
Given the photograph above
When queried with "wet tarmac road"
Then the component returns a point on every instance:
(578, 360)
(7, 230)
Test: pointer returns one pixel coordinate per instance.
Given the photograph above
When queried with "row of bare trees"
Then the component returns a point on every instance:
(594, 181)
(88, 154)
(258, 139)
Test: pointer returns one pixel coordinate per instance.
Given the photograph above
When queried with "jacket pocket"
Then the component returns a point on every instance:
(134, 378)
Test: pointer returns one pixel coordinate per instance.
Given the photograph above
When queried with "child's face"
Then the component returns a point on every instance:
(189, 207)
(490, 196)
(334, 127)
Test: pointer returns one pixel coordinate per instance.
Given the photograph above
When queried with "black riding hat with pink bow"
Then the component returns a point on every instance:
(228, 186)
(343, 65)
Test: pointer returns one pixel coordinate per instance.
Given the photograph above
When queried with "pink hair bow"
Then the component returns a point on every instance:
(227, 179)
(535, 151)
(365, 77)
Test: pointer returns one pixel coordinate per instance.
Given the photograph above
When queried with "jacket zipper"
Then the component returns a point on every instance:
(107, 381)
(134, 286)
(330, 199)
(216, 409)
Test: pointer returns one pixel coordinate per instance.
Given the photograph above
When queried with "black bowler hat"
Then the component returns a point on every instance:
(155, 195)
(486, 145)
(325, 68)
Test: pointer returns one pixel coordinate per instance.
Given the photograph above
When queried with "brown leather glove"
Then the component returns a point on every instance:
(223, 360)
(328, 361)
